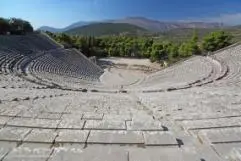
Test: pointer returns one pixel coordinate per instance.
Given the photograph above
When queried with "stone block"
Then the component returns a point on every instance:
(13, 133)
(33, 123)
(162, 154)
(11, 112)
(115, 137)
(144, 125)
(41, 136)
(160, 138)
(51, 116)
(66, 154)
(226, 150)
(212, 123)
(123, 117)
(28, 154)
(71, 123)
(89, 154)
(72, 136)
(28, 114)
(5, 147)
(72, 116)
(92, 116)
(4, 119)
(105, 125)
(216, 136)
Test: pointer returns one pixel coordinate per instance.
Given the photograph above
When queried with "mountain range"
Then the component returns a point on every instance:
(142, 22)
(72, 26)
(101, 29)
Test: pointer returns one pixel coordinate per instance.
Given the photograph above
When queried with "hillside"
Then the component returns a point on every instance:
(175, 34)
(236, 32)
(183, 34)
(50, 29)
(146, 23)
(72, 26)
(100, 29)
(161, 26)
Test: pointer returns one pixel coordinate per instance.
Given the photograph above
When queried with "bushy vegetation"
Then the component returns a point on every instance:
(216, 40)
(129, 45)
(14, 26)
(144, 47)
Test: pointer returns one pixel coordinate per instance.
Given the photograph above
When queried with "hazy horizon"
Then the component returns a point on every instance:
(60, 14)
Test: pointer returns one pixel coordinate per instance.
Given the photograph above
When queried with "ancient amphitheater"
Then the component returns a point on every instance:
(56, 105)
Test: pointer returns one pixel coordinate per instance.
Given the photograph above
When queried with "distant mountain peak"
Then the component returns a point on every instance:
(106, 28)
(160, 26)
(143, 22)
(72, 26)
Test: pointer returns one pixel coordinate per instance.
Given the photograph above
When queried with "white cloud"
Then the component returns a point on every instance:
(226, 19)
(229, 19)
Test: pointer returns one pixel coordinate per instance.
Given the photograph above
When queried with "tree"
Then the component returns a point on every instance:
(159, 52)
(172, 51)
(216, 40)
(65, 39)
(190, 47)
(132, 46)
(186, 49)
(194, 36)
(27, 27)
(19, 26)
(154, 55)
(4, 26)
(15, 26)
(78, 43)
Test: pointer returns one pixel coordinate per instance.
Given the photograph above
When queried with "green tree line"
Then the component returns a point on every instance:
(144, 47)
(14, 26)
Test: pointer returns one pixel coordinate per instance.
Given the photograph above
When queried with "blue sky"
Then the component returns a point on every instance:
(60, 13)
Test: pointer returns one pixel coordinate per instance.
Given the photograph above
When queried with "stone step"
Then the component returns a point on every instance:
(115, 137)
(228, 151)
(220, 136)
(33, 123)
(211, 123)
(105, 125)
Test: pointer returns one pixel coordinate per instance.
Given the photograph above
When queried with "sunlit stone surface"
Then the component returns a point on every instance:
(57, 105)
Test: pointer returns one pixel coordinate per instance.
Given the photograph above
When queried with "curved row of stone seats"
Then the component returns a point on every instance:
(7, 60)
(19, 67)
(211, 114)
(11, 63)
(77, 63)
(66, 68)
(28, 44)
(18, 51)
(26, 94)
(183, 74)
(232, 58)
(102, 114)
(78, 60)
(45, 42)
(219, 69)
(53, 65)
(61, 80)
(64, 82)
(9, 79)
(13, 82)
